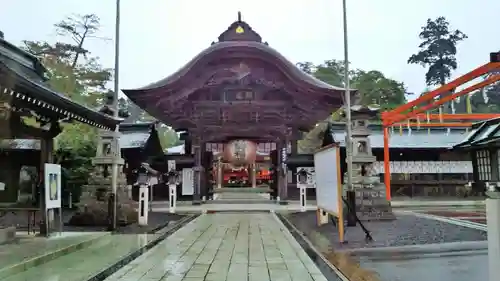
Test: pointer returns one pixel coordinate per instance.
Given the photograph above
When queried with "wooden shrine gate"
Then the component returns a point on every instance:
(238, 88)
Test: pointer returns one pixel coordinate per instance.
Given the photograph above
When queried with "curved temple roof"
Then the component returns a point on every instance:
(240, 37)
(239, 86)
(289, 68)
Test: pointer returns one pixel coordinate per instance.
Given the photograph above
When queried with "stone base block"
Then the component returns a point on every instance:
(96, 214)
(7, 234)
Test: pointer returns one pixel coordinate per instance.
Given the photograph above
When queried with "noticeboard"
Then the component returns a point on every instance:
(52, 186)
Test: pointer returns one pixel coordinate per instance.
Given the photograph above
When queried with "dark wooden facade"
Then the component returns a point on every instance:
(24, 93)
(483, 146)
(139, 143)
(238, 88)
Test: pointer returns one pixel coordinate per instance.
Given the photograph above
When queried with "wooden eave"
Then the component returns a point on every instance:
(38, 97)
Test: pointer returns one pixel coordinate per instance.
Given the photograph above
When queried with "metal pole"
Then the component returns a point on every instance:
(114, 172)
(348, 144)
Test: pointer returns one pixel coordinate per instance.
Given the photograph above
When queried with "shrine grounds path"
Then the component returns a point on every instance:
(225, 246)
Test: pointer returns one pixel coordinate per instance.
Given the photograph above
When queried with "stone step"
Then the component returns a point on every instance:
(240, 201)
(242, 190)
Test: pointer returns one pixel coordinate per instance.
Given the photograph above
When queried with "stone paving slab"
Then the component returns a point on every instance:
(85, 263)
(225, 246)
(31, 249)
(273, 207)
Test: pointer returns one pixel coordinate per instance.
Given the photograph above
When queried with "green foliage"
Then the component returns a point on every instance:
(438, 50)
(74, 72)
(373, 86)
(376, 89)
(168, 137)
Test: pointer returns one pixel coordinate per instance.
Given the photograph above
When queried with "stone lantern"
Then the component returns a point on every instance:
(371, 202)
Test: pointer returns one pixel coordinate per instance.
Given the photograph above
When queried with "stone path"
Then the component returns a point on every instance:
(226, 246)
(29, 247)
(293, 206)
(85, 263)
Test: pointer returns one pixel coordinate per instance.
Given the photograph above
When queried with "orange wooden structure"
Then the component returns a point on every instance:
(413, 113)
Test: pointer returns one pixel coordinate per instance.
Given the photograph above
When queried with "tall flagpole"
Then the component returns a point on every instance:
(351, 220)
(114, 168)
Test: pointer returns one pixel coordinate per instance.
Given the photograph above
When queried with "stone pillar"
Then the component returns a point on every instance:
(254, 175)
(282, 172)
(493, 222)
(197, 174)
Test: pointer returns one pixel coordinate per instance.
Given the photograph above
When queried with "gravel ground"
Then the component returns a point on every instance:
(155, 220)
(406, 230)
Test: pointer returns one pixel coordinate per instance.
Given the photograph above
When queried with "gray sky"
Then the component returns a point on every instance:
(159, 36)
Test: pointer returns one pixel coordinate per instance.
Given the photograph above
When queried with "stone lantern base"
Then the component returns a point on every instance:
(93, 206)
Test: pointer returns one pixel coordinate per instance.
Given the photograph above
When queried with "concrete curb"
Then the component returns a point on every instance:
(42, 259)
(132, 256)
(464, 203)
(328, 269)
(452, 247)
(468, 224)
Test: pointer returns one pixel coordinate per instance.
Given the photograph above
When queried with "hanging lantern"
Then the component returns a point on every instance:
(240, 152)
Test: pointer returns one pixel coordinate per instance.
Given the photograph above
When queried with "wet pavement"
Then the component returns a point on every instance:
(28, 248)
(411, 248)
(475, 215)
(441, 266)
(85, 263)
(406, 230)
(226, 246)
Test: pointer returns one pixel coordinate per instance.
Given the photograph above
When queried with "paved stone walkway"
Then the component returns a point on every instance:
(30, 247)
(226, 246)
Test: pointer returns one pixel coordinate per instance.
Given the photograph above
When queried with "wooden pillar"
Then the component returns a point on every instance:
(220, 177)
(197, 173)
(294, 151)
(46, 156)
(282, 172)
(188, 145)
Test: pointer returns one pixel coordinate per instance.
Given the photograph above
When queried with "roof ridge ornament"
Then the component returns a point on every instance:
(240, 31)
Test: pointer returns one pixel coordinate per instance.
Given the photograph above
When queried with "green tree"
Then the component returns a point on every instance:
(438, 50)
(74, 72)
(375, 88)
(307, 66)
(168, 137)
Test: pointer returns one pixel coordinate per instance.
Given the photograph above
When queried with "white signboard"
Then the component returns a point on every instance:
(328, 181)
(52, 186)
(187, 181)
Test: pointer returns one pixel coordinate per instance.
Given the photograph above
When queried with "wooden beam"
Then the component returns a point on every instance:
(389, 119)
(435, 125)
(451, 86)
(448, 117)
